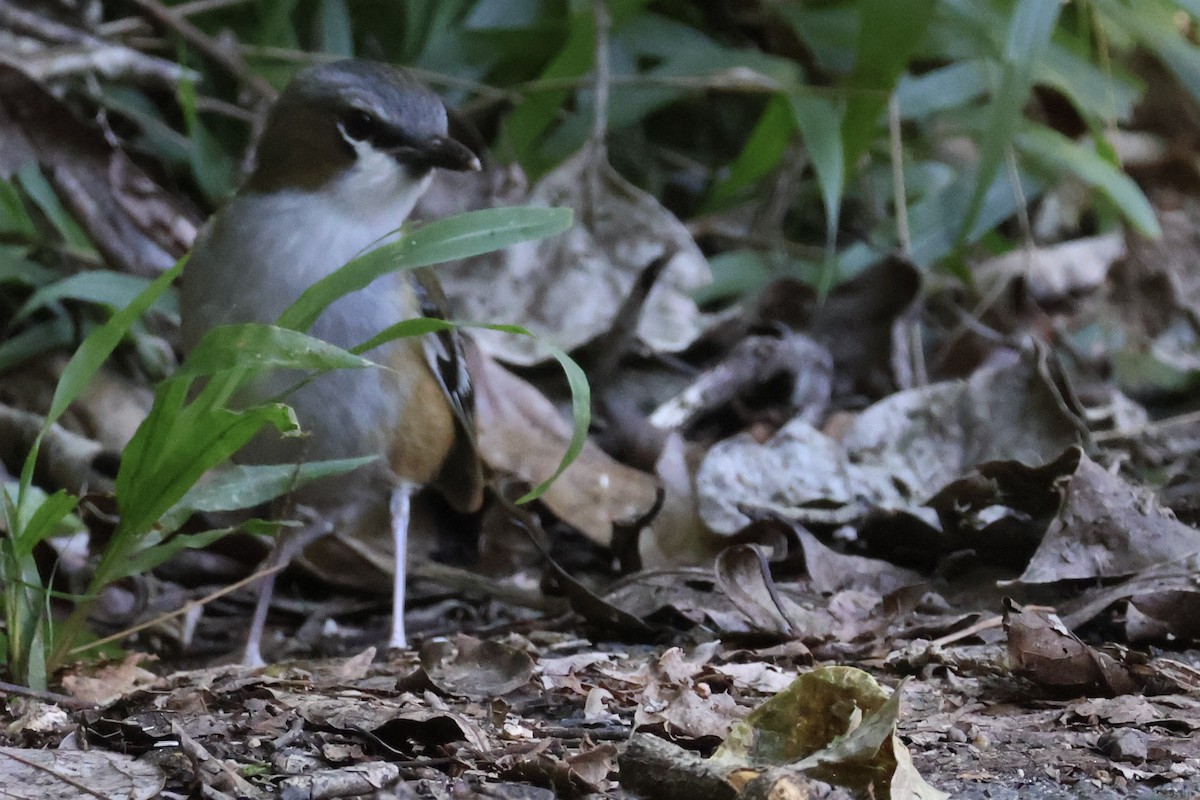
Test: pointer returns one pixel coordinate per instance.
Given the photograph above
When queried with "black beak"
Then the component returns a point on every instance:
(438, 151)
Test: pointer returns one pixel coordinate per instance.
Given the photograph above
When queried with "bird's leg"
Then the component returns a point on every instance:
(288, 544)
(401, 504)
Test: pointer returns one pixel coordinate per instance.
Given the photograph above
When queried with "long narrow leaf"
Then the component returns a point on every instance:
(461, 236)
(581, 393)
(108, 288)
(88, 359)
(1057, 151)
(890, 33)
(1029, 31)
(820, 123)
(264, 347)
(247, 486)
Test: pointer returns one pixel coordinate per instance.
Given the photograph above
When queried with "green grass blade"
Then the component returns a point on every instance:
(1029, 31)
(461, 236)
(259, 347)
(581, 393)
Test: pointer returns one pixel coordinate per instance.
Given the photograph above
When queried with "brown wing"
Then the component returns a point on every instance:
(460, 479)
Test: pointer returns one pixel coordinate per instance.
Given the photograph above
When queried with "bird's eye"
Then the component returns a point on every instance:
(358, 124)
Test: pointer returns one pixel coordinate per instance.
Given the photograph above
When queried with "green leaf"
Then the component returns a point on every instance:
(829, 30)
(247, 486)
(1029, 31)
(213, 168)
(44, 520)
(1058, 152)
(952, 86)
(171, 457)
(83, 365)
(45, 198)
(262, 347)
(114, 289)
(15, 267)
(334, 28)
(736, 273)
(14, 218)
(819, 121)
(142, 561)
(35, 340)
(581, 393)
(1153, 24)
(523, 127)
(97, 347)
(889, 35)
(457, 237)
(764, 149)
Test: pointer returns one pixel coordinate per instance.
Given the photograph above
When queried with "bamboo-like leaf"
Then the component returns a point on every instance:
(457, 237)
(890, 32)
(581, 393)
(1058, 152)
(115, 289)
(1029, 31)
(263, 347)
(820, 121)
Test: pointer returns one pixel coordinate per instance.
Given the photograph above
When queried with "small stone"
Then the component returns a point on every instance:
(1124, 744)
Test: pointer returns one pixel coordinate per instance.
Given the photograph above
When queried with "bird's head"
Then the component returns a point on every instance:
(356, 128)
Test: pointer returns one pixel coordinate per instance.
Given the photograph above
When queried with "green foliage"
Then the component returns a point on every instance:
(193, 428)
(730, 95)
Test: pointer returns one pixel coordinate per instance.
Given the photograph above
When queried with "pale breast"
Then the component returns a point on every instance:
(252, 262)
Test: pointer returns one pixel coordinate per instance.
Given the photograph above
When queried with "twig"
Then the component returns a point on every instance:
(185, 609)
(899, 194)
(602, 76)
(227, 59)
(73, 703)
(98, 53)
(27, 22)
(67, 779)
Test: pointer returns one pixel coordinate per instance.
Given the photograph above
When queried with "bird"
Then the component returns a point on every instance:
(346, 151)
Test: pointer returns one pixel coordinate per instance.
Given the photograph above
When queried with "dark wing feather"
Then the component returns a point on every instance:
(461, 477)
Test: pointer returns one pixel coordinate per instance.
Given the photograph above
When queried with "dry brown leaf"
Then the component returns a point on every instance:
(571, 287)
(522, 434)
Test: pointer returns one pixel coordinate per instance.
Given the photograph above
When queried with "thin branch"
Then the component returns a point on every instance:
(601, 77)
(67, 779)
(227, 58)
(899, 192)
(185, 609)
(66, 701)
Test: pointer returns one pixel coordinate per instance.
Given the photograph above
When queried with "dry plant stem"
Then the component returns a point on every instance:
(229, 61)
(602, 76)
(82, 52)
(899, 193)
(967, 632)
(126, 25)
(598, 145)
(1184, 422)
(984, 625)
(185, 609)
(67, 779)
(29, 23)
(1014, 179)
(768, 221)
(66, 701)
